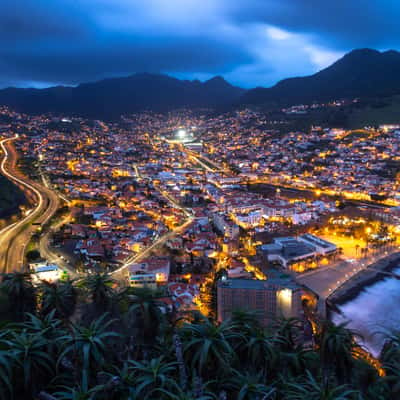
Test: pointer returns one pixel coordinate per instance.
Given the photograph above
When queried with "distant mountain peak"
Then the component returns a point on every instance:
(217, 78)
(369, 55)
(112, 97)
(364, 51)
(359, 73)
(217, 81)
(391, 52)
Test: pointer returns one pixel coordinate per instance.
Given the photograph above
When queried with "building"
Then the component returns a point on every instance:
(150, 272)
(322, 247)
(288, 251)
(273, 298)
(226, 226)
(45, 272)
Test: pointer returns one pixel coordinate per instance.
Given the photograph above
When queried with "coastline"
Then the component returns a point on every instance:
(357, 283)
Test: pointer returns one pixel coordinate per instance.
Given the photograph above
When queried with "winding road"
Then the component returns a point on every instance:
(15, 237)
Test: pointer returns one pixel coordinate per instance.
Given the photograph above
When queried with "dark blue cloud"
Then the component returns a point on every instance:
(251, 42)
(341, 23)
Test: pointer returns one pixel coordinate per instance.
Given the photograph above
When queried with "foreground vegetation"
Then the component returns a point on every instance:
(11, 197)
(90, 339)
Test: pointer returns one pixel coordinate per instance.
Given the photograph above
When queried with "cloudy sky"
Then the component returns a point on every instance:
(249, 42)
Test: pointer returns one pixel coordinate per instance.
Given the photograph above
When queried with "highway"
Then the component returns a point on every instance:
(14, 238)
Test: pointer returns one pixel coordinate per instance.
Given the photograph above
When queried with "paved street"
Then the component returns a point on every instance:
(14, 238)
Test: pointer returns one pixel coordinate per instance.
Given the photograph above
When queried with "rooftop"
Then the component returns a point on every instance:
(282, 280)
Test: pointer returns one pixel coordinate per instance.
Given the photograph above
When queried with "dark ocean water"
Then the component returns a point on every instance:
(374, 312)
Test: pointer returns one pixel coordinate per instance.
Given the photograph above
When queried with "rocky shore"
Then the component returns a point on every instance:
(373, 273)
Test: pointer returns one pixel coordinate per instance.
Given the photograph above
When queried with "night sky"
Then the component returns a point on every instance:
(249, 42)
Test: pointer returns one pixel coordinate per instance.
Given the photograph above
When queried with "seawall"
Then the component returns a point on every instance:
(368, 276)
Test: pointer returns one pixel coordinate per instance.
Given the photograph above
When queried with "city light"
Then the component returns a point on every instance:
(181, 133)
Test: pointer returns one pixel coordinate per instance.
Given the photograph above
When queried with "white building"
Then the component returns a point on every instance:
(45, 272)
(225, 225)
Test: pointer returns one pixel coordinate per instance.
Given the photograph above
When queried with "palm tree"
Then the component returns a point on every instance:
(261, 353)
(48, 327)
(153, 375)
(249, 386)
(366, 378)
(247, 339)
(20, 292)
(32, 362)
(206, 347)
(48, 358)
(74, 393)
(100, 290)
(60, 296)
(118, 383)
(336, 348)
(292, 356)
(308, 388)
(245, 322)
(390, 357)
(145, 316)
(287, 333)
(391, 350)
(180, 394)
(87, 347)
(7, 360)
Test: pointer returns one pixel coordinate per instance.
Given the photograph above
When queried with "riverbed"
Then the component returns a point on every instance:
(374, 312)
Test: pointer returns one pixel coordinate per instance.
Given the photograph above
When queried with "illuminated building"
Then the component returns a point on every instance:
(150, 272)
(143, 280)
(288, 251)
(45, 272)
(269, 299)
(227, 227)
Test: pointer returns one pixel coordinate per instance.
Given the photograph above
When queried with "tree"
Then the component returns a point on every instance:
(60, 296)
(261, 353)
(32, 364)
(32, 255)
(250, 386)
(141, 354)
(48, 327)
(21, 294)
(145, 316)
(7, 360)
(87, 347)
(99, 287)
(153, 375)
(336, 348)
(206, 347)
(309, 388)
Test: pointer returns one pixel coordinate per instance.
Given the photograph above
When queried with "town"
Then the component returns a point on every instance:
(199, 200)
(221, 211)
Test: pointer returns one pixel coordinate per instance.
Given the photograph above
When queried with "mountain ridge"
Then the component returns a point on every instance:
(111, 97)
(361, 73)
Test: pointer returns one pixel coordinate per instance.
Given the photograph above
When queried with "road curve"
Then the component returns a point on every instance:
(15, 237)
